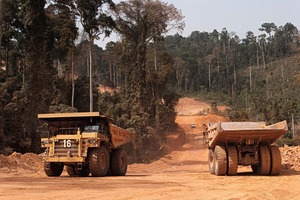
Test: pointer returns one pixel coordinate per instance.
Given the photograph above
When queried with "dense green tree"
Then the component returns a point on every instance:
(63, 22)
(12, 38)
(39, 65)
(95, 21)
(141, 25)
(139, 22)
(268, 28)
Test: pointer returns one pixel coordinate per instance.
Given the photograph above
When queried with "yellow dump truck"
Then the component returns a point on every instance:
(244, 143)
(85, 143)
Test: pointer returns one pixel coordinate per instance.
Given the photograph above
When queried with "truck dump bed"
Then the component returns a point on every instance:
(120, 136)
(236, 132)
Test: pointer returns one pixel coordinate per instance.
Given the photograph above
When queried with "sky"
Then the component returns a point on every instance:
(238, 16)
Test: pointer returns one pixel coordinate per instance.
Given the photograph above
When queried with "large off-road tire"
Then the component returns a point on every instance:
(232, 160)
(220, 160)
(254, 168)
(99, 161)
(84, 172)
(264, 161)
(118, 162)
(275, 160)
(109, 173)
(211, 161)
(53, 169)
(71, 170)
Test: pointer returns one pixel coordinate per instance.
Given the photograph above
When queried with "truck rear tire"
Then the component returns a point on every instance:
(71, 170)
(99, 161)
(211, 161)
(254, 168)
(264, 161)
(53, 169)
(118, 162)
(232, 160)
(220, 160)
(84, 172)
(275, 160)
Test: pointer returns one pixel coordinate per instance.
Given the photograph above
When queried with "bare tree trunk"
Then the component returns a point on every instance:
(250, 77)
(263, 56)
(91, 72)
(186, 81)
(115, 75)
(257, 56)
(234, 84)
(73, 82)
(1, 21)
(209, 76)
(155, 57)
(87, 64)
(111, 71)
(177, 78)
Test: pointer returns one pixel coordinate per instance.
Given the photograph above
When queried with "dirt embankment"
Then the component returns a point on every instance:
(290, 157)
(21, 163)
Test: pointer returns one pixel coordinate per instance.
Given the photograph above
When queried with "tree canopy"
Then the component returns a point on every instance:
(47, 66)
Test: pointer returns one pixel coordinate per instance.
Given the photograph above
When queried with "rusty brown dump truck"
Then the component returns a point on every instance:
(85, 143)
(244, 143)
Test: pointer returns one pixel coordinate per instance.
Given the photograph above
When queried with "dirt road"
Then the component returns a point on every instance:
(182, 174)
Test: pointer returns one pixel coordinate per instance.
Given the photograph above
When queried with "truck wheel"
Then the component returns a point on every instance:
(99, 161)
(220, 160)
(264, 161)
(53, 169)
(211, 161)
(118, 162)
(254, 168)
(71, 170)
(84, 172)
(232, 160)
(275, 160)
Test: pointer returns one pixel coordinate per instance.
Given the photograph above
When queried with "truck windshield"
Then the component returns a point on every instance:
(91, 128)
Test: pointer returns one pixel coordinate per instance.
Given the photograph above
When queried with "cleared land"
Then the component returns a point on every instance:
(182, 174)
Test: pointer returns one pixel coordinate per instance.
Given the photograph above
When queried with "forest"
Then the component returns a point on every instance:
(50, 63)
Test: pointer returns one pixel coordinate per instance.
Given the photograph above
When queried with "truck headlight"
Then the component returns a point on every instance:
(45, 142)
(93, 142)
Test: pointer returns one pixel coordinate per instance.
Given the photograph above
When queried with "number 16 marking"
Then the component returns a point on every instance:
(67, 143)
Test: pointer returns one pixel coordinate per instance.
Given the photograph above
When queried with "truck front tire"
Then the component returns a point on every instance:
(71, 170)
(53, 169)
(99, 161)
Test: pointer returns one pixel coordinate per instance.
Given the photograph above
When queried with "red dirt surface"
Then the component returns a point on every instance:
(182, 174)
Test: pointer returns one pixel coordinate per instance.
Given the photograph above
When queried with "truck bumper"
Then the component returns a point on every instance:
(64, 159)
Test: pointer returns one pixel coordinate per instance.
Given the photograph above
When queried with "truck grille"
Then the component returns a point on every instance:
(62, 147)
